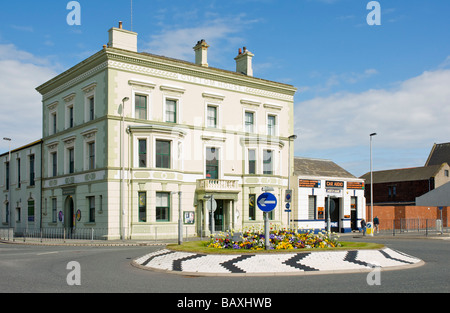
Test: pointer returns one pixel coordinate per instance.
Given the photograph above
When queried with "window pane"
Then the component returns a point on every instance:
(212, 163)
(142, 153)
(32, 174)
(91, 108)
(91, 151)
(212, 116)
(249, 122)
(162, 154)
(142, 206)
(252, 207)
(271, 125)
(141, 107)
(251, 161)
(267, 165)
(31, 211)
(71, 161)
(162, 206)
(171, 111)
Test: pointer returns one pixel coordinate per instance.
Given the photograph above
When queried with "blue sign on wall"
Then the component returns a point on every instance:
(267, 202)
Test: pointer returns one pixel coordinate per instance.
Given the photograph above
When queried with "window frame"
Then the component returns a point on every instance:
(166, 214)
(142, 207)
(159, 157)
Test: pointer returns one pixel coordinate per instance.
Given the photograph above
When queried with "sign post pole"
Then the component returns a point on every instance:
(266, 203)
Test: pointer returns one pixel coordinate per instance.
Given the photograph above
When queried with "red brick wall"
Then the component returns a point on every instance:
(405, 191)
(387, 214)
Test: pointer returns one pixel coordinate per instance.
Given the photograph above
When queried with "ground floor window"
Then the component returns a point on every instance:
(252, 207)
(91, 204)
(31, 211)
(162, 206)
(142, 206)
(312, 200)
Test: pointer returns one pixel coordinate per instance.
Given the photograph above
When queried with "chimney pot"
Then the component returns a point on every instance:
(120, 24)
(244, 62)
(201, 53)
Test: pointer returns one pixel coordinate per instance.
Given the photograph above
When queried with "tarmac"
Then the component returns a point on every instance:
(263, 264)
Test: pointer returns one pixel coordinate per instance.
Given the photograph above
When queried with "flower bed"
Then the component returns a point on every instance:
(285, 239)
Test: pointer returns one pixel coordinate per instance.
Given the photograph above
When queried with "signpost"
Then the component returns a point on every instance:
(266, 203)
(211, 206)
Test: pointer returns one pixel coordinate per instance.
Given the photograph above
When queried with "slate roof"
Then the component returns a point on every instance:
(440, 153)
(319, 168)
(405, 174)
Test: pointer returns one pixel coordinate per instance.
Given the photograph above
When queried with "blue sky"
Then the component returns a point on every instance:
(353, 78)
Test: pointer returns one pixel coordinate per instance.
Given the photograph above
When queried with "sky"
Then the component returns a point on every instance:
(354, 77)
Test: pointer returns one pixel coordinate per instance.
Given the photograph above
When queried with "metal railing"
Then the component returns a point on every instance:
(60, 234)
(414, 226)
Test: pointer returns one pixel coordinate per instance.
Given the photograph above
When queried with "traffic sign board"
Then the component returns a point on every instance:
(213, 203)
(288, 197)
(267, 202)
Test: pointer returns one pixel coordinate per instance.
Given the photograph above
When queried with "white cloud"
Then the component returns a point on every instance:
(20, 104)
(177, 42)
(412, 115)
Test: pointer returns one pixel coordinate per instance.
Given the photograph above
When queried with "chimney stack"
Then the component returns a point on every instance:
(122, 39)
(201, 53)
(244, 62)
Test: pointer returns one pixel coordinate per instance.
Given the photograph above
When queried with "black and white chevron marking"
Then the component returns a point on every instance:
(274, 263)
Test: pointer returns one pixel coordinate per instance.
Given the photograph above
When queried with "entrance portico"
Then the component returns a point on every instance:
(225, 194)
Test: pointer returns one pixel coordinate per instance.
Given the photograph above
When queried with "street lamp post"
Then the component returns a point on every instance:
(371, 182)
(122, 172)
(292, 137)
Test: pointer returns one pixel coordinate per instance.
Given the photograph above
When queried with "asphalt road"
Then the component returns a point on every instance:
(44, 269)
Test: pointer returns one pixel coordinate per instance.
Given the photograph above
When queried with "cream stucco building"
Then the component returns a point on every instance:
(131, 138)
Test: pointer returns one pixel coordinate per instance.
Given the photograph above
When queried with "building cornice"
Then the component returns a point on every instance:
(159, 66)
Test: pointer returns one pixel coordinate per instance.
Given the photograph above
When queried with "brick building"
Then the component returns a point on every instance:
(402, 186)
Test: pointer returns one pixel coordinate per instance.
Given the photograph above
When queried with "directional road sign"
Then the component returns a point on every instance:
(267, 202)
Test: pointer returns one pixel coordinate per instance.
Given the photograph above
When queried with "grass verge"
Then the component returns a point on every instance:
(200, 247)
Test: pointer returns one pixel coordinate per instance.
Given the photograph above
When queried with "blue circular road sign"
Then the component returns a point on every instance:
(267, 202)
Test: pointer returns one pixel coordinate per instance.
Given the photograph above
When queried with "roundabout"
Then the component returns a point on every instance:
(263, 264)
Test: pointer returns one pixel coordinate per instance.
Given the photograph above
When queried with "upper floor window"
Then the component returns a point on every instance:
(171, 110)
(54, 159)
(267, 162)
(140, 106)
(7, 175)
(71, 160)
(32, 170)
(162, 154)
(91, 155)
(212, 163)
(212, 116)
(252, 161)
(249, 121)
(142, 152)
(91, 108)
(271, 125)
(18, 174)
(53, 123)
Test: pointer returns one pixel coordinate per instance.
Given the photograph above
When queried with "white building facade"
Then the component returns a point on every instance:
(132, 139)
(321, 189)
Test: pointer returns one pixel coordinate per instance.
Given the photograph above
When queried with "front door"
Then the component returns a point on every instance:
(69, 213)
(218, 216)
(334, 213)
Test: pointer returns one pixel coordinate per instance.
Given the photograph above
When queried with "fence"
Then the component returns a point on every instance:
(413, 225)
(58, 234)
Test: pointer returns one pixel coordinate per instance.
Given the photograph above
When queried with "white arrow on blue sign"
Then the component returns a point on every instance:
(267, 202)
